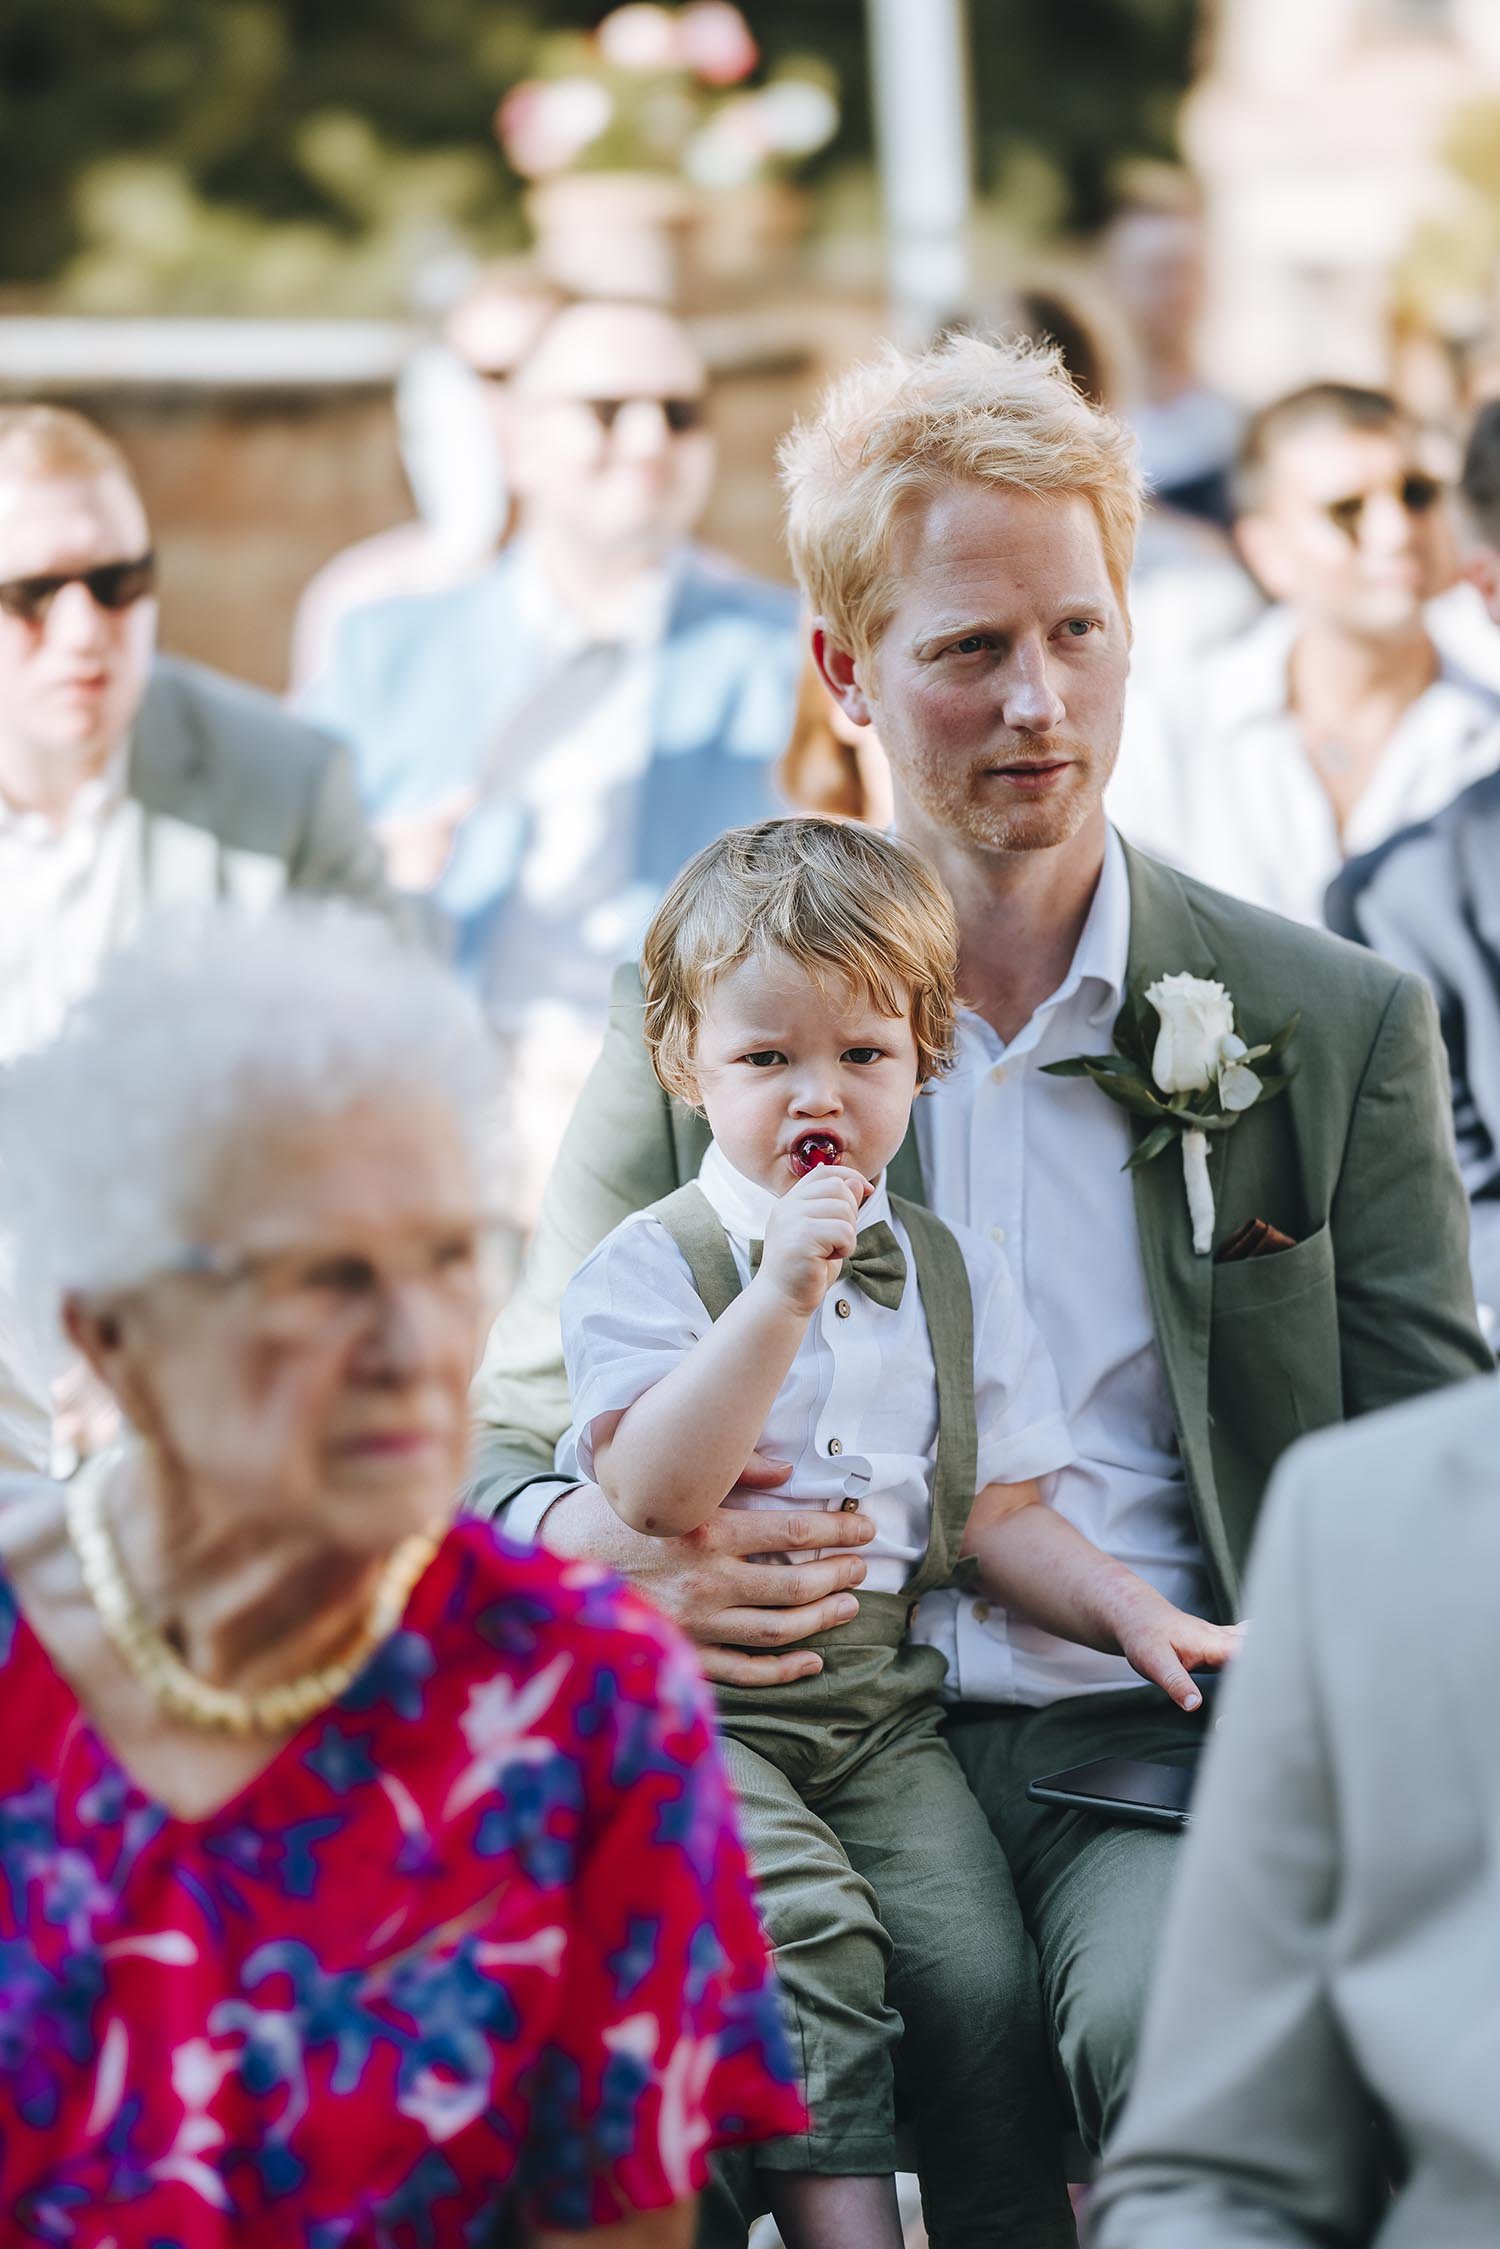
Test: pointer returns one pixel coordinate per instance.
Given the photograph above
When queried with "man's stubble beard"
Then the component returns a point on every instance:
(1015, 828)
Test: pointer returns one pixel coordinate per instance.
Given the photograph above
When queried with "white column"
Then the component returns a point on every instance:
(920, 54)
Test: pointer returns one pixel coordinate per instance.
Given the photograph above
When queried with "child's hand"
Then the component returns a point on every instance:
(809, 1233)
(1164, 1643)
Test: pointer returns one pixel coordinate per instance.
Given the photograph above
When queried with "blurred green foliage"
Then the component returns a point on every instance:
(314, 155)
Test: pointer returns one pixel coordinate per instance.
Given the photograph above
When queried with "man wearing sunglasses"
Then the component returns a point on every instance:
(1335, 719)
(543, 748)
(1429, 900)
(128, 781)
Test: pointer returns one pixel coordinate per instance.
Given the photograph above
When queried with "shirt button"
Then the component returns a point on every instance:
(981, 1612)
(842, 1308)
(835, 1446)
(997, 1075)
(997, 1236)
(848, 1506)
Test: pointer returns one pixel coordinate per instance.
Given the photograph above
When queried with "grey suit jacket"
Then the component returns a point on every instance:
(1429, 900)
(242, 801)
(1333, 1947)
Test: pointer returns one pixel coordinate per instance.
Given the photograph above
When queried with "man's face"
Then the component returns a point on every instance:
(611, 451)
(71, 677)
(1154, 264)
(998, 686)
(1353, 530)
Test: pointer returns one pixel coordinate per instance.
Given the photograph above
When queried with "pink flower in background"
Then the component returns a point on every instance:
(544, 125)
(715, 41)
(641, 36)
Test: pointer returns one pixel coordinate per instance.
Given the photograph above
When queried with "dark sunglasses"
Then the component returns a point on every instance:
(113, 585)
(679, 414)
(1417, 492)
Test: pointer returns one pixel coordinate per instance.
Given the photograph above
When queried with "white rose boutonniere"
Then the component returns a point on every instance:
(1190, 1071)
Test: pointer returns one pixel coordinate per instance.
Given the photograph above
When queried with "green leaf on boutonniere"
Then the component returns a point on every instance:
(1276, 1047)
(1151, 1147)
(1118, 1077)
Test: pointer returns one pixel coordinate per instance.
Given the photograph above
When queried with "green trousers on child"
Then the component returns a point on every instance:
(917, 1971)
(898, 1939)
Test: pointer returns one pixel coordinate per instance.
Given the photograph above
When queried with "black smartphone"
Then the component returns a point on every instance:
(1123, 1788)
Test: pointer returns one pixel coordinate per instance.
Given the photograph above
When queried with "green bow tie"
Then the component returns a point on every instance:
(878, 1265)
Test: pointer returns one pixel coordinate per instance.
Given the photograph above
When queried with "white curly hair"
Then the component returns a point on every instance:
(207, 1026)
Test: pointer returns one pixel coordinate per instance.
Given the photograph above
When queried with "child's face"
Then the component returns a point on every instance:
(779, 1057)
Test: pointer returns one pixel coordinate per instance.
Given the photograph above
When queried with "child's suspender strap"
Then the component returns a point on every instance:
(948, 1302)
(690, 1219)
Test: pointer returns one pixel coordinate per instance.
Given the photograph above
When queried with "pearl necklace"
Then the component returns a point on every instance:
(167, 1679)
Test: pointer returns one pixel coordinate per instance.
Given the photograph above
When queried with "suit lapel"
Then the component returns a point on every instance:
(168, 778)
(1165, 940)
(185, 805)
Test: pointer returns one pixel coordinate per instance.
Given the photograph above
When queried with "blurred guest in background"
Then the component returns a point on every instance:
(452, 403)
(128, 781)
(1325, 2015)
(372, 1880)
(830, 764)
(1429, 899)
(1153, 268)
(1333, 720)
(544, 748)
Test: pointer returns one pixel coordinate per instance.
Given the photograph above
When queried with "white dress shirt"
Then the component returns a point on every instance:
(70, 894)
(1037, 1163)
(857, 1414)
(1214, 776)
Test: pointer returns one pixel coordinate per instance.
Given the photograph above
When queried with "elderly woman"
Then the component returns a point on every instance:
(361, 1880)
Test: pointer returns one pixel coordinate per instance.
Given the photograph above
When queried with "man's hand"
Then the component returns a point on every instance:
(1164, 1643)
(705, 1582)
(418, 845)
(811, 1229)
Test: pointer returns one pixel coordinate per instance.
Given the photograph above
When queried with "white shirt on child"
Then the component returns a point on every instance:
(857, 1414)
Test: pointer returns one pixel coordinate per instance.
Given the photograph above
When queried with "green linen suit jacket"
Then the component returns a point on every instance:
(1355, 1161)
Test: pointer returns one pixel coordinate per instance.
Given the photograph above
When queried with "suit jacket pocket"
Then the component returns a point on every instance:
(1257, 1284)
(1274, 1372)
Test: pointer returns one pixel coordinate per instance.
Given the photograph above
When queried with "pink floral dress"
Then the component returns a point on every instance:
(477, 1942)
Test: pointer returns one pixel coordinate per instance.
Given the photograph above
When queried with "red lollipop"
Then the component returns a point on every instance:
(812, 1149)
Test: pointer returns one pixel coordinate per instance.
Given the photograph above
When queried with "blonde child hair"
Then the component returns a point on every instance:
(851, 906)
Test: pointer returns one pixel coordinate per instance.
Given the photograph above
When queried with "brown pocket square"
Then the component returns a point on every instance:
(1256, 1238)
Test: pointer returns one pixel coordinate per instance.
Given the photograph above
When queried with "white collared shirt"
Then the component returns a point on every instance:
(857, 1414)
(1037, 1163)
(1214, 776)
(70, 894)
